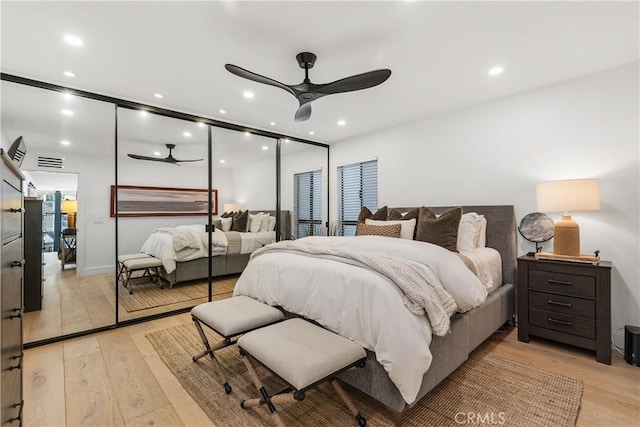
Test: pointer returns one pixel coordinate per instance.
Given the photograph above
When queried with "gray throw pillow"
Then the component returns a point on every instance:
(441, 231)
(240, 221)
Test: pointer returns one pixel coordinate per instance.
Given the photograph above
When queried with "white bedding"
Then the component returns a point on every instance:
(161, 245)
(488, 265)
(361, 304)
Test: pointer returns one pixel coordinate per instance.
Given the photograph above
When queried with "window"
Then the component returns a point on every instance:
(357, 187)
(308, 203)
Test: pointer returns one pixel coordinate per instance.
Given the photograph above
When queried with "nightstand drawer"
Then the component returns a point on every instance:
(563, 304)
(561, 322)
(572, 284)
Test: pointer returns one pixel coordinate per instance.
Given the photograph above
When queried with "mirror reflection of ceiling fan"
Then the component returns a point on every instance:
(306, 91)
(168, 159)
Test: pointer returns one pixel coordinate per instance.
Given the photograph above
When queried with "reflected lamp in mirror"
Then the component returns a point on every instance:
(232, 207)
(70, 207)
(568, 196)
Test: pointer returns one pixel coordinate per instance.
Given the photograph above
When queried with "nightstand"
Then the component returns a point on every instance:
(566, 302)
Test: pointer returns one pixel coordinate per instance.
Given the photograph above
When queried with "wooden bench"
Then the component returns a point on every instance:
(231, 317)
(130, 264)
(303, 355)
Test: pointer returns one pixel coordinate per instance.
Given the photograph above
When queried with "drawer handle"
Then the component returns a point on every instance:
(559, 282)
(18, 366)
(19, 417)
(15, 316)
(15, 264)
(16, 210)
(561, 304)
(561, 322)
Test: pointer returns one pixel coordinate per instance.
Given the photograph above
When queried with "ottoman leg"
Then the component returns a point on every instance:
(209, 350)
(265, 399)
(348, 403)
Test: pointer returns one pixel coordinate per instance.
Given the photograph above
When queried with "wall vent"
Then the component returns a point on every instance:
(50, 162)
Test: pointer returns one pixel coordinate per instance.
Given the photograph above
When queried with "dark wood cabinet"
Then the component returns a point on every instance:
(566, 302)
(33, 285)
(12, 264)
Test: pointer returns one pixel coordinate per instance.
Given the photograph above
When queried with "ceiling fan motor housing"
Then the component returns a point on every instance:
(306, 60)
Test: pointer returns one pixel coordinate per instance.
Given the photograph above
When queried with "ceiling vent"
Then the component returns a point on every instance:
(50, 162)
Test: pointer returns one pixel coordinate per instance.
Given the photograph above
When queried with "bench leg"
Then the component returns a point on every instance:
(348, 403)
(127, 282)
(209, 350)
(265, 399)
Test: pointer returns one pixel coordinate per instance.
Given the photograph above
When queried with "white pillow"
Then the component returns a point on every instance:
(254, 222)
(406, 230)
(225, 224)
(469, 231)
(272, 223)
(264, 224)
(482, 235)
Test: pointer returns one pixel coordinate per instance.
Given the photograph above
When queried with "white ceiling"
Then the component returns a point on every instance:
(439, 53)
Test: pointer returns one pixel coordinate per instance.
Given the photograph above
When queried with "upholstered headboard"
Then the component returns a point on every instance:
(501, 233)
(285, 221)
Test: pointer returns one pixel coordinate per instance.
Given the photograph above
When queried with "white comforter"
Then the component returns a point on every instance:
(361, 304)
(162, 244)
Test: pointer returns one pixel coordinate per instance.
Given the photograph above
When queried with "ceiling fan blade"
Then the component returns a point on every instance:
(357, 82)
(303, 113)
(153, 159)
(195, 160)
(241, 72)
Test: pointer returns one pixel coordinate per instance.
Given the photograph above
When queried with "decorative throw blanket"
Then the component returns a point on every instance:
(182, 239)
(234, 242)
(423, 292)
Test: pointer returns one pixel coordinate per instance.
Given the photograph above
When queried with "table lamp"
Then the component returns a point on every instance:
(565, 196)
(70, 207)
(232, 207)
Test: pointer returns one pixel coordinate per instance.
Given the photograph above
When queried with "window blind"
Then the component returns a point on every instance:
(357, 187)
(308, 203)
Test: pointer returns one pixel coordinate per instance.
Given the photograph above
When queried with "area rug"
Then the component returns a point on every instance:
(147, 294)
(487, 390)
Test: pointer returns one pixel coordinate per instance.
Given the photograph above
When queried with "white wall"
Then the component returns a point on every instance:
(496, 152)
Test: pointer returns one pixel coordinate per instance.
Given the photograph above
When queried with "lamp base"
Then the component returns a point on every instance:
(566, 237)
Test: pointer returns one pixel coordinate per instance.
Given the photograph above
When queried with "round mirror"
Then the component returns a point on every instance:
(536, 227)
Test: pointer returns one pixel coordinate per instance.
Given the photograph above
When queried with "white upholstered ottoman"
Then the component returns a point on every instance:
(231, 317)
(303, 355)
(129, 264)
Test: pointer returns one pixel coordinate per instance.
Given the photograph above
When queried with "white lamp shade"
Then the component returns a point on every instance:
(232, 207)
(568, 195)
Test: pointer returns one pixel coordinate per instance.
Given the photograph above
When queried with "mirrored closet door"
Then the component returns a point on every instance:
(162, 206)
(69, 244)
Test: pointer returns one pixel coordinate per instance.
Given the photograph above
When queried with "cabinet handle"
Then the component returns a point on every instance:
(16, 210)
(561, 304)
(562, 322)
(15, 264)
(16, 316)
(559, 282)
(18, 366)
(19, 417)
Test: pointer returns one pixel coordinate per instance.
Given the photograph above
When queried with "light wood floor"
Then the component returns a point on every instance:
(72, 303)
(116, 378)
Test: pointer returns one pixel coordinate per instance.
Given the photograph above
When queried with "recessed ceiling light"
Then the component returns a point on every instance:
(223, 161)
(157, 153)
(248, 94)
(264, 147)
(311, 132)
(69, 73)
(187, 134)
(67, 112)
(342, 122)
(201, 124)
(65, 142)
(247, 133)
(222, 111)
(73, 40)
(67, 95)
(144, 113)
(496, 71)
(158, 95)
(287, 141)
(272, 123)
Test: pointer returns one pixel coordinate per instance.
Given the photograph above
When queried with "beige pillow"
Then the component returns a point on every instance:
(441, 231)
(392, 230)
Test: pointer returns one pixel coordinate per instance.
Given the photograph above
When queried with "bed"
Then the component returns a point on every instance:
(230, 251)
(395, 372)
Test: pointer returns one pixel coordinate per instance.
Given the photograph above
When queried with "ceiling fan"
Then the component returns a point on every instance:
(168, 159)
(306, 91)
